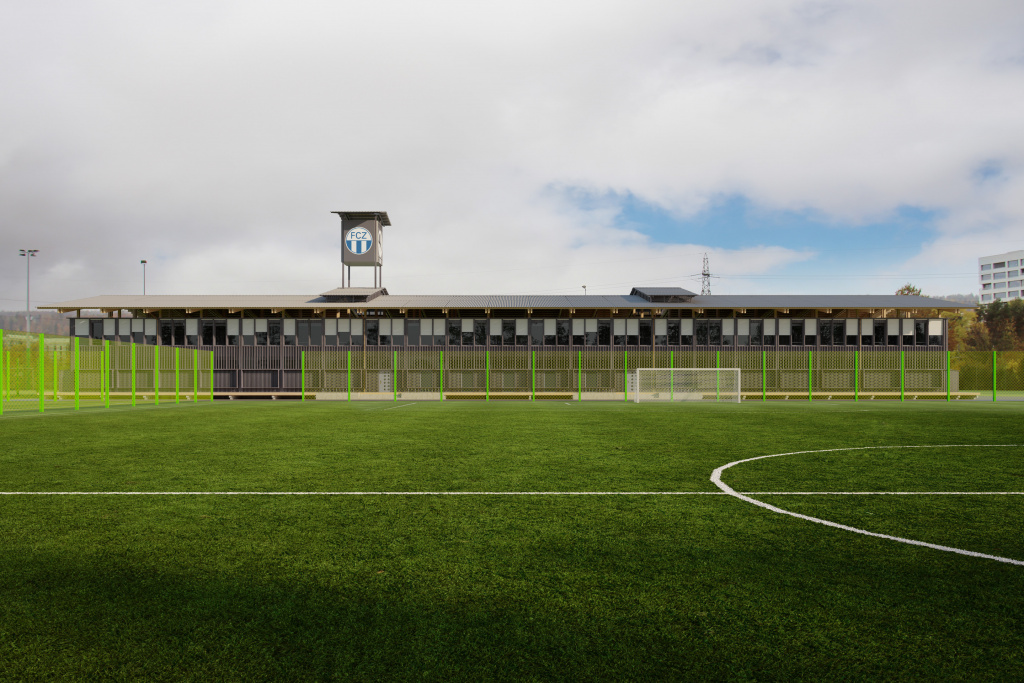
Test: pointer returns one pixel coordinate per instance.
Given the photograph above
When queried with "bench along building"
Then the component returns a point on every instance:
(498, 343)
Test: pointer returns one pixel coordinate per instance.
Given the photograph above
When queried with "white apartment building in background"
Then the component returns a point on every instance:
(1001, 277)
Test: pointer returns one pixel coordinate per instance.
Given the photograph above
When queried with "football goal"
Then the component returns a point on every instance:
(685, 384)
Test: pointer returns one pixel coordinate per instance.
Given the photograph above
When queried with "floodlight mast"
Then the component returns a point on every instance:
(29, 254)
(143, 262)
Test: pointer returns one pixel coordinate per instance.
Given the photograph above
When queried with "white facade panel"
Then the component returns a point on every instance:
(867, 327)
(398, 327)
(935, 327)
(289, 326)
(785, 326)
(522, 327)
(577, 327)
(385, 327)
(233, 325)
(619, 327)
(331, 327)
(742, 325)
(549, 327)
(108, 327)
(661, 327)
(150, 326)
(686, 326)
(357, 327)
(495, 326)
(632, 326)
(590, 325)
(769, 326)
(728, 325)
(82, 328)
(851, 327)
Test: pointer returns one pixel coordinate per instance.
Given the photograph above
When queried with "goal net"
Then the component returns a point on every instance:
(685, 384)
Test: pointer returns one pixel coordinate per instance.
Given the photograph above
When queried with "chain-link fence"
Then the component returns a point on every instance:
(41, 373)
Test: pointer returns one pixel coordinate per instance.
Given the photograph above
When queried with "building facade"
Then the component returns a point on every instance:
(1000, 277)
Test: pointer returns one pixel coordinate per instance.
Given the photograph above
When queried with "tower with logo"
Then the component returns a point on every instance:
(362, 243)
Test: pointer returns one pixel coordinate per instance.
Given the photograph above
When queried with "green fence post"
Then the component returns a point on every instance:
(579, 378)
(302, 372)
(211, 376)
(78, 367)
(42, 373)
(856, 375)
(106, 373)
(156, 375)
(177, 375)
(487, 375)
(625, 378)
(394, 374)
(133, 373)
(195, 375)
(349, 375)
(902, 373)
(764, 375)
(994, 375)
(947, 376)
(671, 376)
(3, 384)
(718, 375)
(53, 392)
(810, 376)
(533, 375)
(441, 365)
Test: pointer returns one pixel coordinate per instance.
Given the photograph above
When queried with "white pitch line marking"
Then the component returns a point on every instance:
(716, 478)
(401, 406)
(508, 493)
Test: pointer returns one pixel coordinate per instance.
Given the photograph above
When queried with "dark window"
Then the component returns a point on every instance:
(412, 332)
(316, 332)
(920, 332)
(756, 332)
(179, 332)
(879, 329)
(604, 332)
(537, 332)
(785, 339)
(798, 332)
(702, 332)
(673, 332)
(373, 333)
(769, 339)
(838, 332)
(480, 332)
(590, 336)
(562, 328)
(455, 332)
(826, 332)
(647, 332)
(220, 332)
(274, 332)
(96, 330)
(206, 331)
(908, 338)
(508, 332)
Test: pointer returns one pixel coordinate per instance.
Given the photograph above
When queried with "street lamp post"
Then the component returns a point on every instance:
(143, 262)
(29, 254)
(584, 290)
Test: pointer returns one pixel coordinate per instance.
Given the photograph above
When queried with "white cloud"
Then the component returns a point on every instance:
(214, 138)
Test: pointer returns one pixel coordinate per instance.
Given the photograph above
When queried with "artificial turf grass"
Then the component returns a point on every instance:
(541, 588)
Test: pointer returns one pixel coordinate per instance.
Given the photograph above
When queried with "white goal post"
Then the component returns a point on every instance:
(685, 384)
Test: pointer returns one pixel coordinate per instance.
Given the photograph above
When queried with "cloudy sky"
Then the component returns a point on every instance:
(527, 147)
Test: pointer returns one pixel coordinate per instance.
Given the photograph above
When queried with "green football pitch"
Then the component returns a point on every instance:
(547, 541)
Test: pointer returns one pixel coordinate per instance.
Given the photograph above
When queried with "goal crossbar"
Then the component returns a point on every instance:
(685, 384)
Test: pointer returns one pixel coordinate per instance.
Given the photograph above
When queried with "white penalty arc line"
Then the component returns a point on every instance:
(716, 478)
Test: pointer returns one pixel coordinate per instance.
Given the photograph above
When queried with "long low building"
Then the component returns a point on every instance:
(366, 318)
(651, 317)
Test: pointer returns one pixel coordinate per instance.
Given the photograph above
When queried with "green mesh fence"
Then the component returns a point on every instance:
(42, 373)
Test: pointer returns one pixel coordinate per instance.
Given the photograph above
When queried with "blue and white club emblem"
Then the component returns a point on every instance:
(358, 240)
